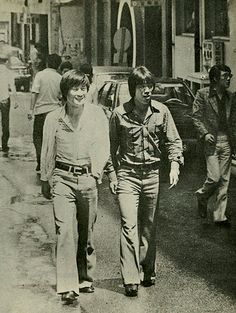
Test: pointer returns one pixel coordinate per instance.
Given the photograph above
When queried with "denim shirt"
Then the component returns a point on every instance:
(138, 142)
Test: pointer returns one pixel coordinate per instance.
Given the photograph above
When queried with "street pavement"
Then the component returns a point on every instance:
(196, 269)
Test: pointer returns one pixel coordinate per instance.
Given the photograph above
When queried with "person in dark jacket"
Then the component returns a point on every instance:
(211, 116)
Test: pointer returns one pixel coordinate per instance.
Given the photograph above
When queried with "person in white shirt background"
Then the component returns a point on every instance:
(7, 94)
(45, 97)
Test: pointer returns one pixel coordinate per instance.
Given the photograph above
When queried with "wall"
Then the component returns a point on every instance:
(230, 56)
(71, 37)
(183, 56)
(17, 6)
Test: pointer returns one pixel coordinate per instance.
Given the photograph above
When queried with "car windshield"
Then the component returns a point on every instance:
(124, 95)
(100, 78)
(172, 92)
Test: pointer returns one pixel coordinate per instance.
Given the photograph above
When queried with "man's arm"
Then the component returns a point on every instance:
(12, 88)
(198, 114)
(34, 94)
(174, 147)
(47, 154)
(114, 146)
(114, 139)
(34, 97)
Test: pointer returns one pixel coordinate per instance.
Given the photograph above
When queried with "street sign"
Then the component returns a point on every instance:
(121, 40)
(145, 3)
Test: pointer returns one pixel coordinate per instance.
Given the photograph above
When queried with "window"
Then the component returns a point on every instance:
(216, 18)
(185, 19)
(172, 92)
(124, 95)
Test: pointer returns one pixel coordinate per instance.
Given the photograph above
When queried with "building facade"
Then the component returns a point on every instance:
(203, 34)
(22, 21)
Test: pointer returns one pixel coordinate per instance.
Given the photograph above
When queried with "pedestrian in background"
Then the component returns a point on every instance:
(65, 67)
(7, 88)
(45, 97)
(211, 115)
(136, 130)
(75, 150)
(37, 58)
(87, 69)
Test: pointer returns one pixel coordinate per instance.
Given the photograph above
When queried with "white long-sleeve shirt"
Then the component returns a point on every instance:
(89, 141)
(7, 82)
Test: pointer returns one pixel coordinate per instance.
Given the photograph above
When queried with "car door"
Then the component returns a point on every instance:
(179, 100)
(106, 97)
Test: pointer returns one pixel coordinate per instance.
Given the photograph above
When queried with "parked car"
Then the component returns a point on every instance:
(104, 73)
(21, 72)
(174, 93)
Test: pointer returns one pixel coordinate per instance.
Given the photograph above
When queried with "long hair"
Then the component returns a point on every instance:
(140, 76)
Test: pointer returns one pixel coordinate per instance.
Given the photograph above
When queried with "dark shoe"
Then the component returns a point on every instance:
(148, 282)
(5, 149)
(37, 168)
(68, 297)
(5, 154)
(225, 223)
(87, 289)
(202, 207)
(131, 290)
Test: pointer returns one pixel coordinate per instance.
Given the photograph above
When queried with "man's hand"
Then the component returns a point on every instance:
(209, 138)
(46, 190)
(30, 115)
(174, 174)
(113, 186)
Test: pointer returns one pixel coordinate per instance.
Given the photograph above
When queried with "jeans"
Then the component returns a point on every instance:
(38, 135)
(218, 176)
(75, 200)
(5, 111)
(138, 194)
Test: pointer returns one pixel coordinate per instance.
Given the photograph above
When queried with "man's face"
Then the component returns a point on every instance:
(77, 96)
(143, 93)
(224, 81)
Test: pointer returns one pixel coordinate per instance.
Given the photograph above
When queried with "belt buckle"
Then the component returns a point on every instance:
(77, 170)
(81, 170)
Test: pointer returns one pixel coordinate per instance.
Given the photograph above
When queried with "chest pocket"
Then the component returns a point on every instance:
(155, 127)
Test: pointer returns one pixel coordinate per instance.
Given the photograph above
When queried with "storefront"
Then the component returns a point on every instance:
(203, 35)
(22, 21)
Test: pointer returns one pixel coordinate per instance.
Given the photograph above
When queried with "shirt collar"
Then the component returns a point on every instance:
(64, 117)
(129, 106)
(50, 69)
(213, 92)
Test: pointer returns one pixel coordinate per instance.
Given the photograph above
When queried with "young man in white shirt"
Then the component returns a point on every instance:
(44, 99)
(7, 86)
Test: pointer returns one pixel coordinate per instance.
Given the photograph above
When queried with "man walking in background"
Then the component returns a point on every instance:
(211, 116)
(7, 86)
(87, 69)
(44, 99)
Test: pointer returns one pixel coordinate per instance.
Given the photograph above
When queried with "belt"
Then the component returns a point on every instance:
(142, 167)
(76, 170)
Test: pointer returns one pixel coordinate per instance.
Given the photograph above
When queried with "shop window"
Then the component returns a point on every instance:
(216, 18)
(185, 21)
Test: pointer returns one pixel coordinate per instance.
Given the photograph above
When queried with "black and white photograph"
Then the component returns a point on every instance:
(118, 156)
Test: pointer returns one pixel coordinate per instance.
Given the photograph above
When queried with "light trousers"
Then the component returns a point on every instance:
(218, 176)
(138, 193)
(75, 199)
